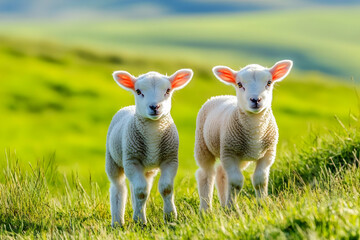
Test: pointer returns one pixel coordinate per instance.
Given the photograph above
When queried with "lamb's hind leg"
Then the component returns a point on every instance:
(205, 175)
(118, 191)
(221, 184)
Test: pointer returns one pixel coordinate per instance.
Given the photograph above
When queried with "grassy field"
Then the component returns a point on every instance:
(58, 98)
(314, 195)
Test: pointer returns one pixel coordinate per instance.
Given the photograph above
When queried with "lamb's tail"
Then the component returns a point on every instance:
(221, 184)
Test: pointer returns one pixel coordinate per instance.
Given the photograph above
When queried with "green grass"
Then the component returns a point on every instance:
(61, 100)
(315, 195)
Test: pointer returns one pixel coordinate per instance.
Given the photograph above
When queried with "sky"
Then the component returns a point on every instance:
(146, 9)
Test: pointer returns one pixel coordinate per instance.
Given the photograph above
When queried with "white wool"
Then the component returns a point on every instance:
(237, 129)
(141, 140)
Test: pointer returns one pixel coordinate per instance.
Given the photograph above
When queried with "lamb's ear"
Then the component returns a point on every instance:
(280, 70)
(225, 74)
(180, 78)
(124, 79)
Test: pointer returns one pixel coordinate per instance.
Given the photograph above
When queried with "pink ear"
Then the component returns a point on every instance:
(181, 78)
(225, 74)
(124, 79)
(280, 70)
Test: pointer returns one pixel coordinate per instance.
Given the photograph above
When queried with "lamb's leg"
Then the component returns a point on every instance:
(140, 190)
(221, 181)
(133, 202)
(235, 179)
(260, 177)
(205, 175)
(205, 179)
(149, 176)
(166, 188)
(221, 184)
(118, 191)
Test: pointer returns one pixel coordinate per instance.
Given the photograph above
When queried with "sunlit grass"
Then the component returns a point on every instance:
(315, 195)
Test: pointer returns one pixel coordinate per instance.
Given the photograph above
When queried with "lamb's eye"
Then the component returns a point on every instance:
(168, 91)
(138, 91)
(269, 83)
(240, 85)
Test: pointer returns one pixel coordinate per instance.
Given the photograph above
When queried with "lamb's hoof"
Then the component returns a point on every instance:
(261, 201)
(205, 207)
(170, 217)
(140, 224)
(205, 210)
(140, 221)
(231, 206)
(117, 225)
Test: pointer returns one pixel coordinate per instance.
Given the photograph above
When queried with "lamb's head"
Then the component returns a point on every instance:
(254, 83)
(153, 90)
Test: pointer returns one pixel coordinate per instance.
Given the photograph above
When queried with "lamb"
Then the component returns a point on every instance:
(141, 140)
(238, 130)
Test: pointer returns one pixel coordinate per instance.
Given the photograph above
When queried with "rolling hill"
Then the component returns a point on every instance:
(60, 100)
(320, 39)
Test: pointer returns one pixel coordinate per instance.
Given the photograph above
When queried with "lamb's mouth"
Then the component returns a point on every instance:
(255, 108)
(154, 115)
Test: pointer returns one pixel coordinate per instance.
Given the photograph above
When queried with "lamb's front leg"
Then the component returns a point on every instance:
(260, 177)
(134, 171)
(235, 179)
(166, 188)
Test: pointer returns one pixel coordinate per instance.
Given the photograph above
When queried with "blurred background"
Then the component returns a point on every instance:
(56, 60)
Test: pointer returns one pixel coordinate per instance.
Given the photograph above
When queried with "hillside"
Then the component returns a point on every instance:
(314, 195)
(318, 39)
(60, 100)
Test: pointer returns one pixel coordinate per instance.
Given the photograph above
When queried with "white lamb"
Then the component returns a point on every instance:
(238, 130)
(142, 139)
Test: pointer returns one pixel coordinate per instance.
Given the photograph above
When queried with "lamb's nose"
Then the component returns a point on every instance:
(154, 107)
(255, 100)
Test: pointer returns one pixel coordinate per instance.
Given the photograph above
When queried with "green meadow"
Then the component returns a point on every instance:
(61, 100)
(58, 98)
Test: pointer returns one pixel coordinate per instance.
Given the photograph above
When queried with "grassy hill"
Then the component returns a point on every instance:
(61, 100)
(314, 195)
(317, 39)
